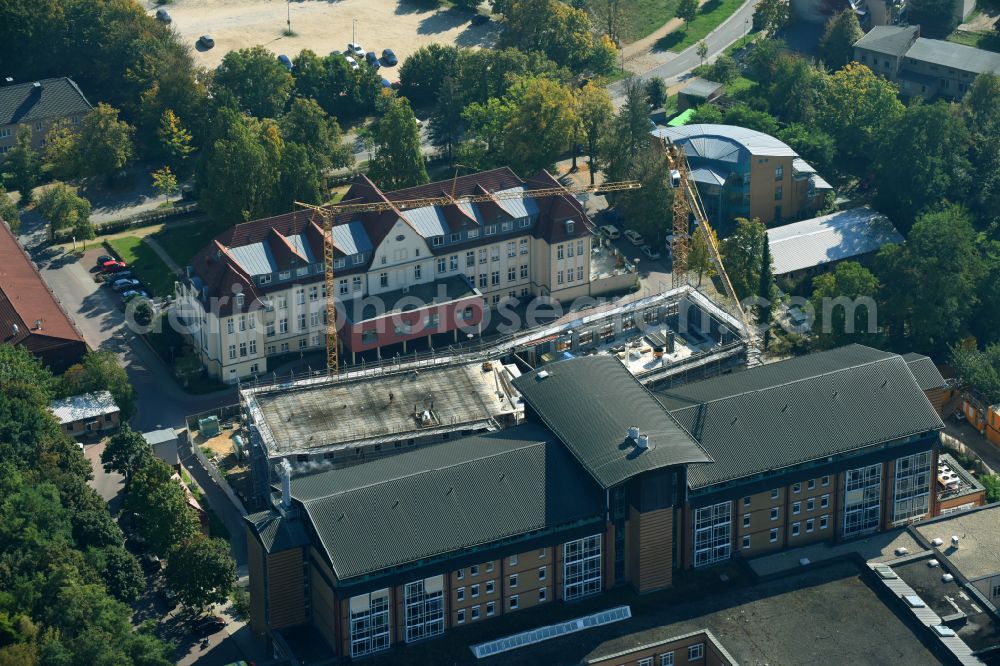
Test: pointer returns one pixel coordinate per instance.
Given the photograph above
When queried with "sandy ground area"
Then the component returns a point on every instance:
(320, 25)
(984, 21)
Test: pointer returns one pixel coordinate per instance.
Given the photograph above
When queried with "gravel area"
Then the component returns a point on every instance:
(320, 25)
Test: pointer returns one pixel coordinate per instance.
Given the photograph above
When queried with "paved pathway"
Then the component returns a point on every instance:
(162, 254)
(676, 66)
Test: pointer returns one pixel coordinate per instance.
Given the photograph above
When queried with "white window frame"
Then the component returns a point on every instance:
(862, 506)
(423, 614)
(911, 488)
(369, 624)
(713, 527)
(582, 567)
(696, 652)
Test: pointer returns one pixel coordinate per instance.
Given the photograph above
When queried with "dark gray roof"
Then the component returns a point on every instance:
(892, 40)
(275, 532)
(925, 372)
(591, 402)
(783, 414)
(699, 87)
(54, 98)
(445, 497)
(959, 56)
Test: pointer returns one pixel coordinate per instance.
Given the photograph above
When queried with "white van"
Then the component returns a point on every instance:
(610, 232)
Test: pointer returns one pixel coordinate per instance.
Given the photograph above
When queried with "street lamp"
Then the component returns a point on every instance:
(746, 31)
(288, 5)
(354, 25)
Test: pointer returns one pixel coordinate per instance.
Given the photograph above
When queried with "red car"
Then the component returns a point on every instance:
(112, 266)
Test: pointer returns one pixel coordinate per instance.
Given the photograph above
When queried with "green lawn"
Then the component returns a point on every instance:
(988, 41)
(710, 15)
(183, 241)
(639, 17)
(145, 264)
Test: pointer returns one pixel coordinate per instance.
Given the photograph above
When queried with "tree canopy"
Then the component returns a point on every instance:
(836, 46)
(849, 288)
(398, 161)
(742, 254)
(259, 84)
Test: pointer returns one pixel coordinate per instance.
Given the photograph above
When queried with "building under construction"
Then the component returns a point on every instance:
(318, 422)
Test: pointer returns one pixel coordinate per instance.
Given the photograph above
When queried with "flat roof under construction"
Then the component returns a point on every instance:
(313, 416)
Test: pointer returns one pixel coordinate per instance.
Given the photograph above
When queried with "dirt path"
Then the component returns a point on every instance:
(642, 55)
(321, 26)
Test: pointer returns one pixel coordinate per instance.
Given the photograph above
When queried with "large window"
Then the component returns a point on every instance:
(862, 495)
(424, 608)
(911, 495)
(369, 623)
(582, 567)
(712, 533)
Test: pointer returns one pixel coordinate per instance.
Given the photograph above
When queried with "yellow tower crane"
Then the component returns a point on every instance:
(331, 211)
(687, 200)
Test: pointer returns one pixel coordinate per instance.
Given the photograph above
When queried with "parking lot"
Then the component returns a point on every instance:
(320, 25)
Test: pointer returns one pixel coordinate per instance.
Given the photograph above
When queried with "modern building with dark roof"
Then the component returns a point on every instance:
(30, 314)
(411, 272)
(603, 484)
(806, 248)
(741, 172)
(923, 67)
(37, 106)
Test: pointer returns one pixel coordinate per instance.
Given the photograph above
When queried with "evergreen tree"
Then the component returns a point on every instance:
(398, 161)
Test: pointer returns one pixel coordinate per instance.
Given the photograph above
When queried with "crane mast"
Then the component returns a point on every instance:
(687, 201)
(331, 211)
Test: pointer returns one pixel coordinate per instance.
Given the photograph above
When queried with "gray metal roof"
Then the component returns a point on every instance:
(429, 221)
(892, 40)
(706, 175)
(783, 414)
(723, 142)
(840, 235)
(159, 436)
(255, 258)
(924, 370)
(302, 246)
(444, 498)
(590, 403)
(351, 238)
(54, 98)
(473, 211)
(957, 56)
(519, 207)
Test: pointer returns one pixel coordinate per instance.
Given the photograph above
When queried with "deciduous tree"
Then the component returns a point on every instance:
(540, 126)
(936, 18)
(858, 109)
(165, 181)
(836, 46)
(700, 254)
(101, 371)
(201, 571)
(126, 452)
(656, 92)
(308, 125)
(175, 140)
(65, 209)
(850, 288)
(741, 255)
(160, 510)
(558, 30)
(22, 165)
(595, 112)
(8, 210)
(62, 153)
(648, 210)
(105, 143)
(770, 16)
(687, 10)
(398, 161)
(256, 80)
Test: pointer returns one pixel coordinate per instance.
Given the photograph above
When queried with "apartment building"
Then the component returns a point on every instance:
(922, 67)
(604, 484)
(38, 105)
(410, 272)
(741, 172)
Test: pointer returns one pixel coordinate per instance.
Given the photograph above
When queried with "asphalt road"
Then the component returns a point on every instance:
(678, 68)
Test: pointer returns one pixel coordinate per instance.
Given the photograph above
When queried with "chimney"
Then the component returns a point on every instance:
(38, 324)
(37, 87)
(285, 472)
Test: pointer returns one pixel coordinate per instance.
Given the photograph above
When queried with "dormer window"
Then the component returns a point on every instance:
(456, 237)
(264, 279)
(359, 259)
(338, 263)
(473, 233)
(302, 270)
(284, 275)
(437, 240)
(491, 229)
(570, 225)
(240, 298)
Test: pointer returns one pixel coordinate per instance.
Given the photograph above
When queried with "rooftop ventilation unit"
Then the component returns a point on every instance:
(642, 443)
(542, 374)
(902, 551)
(947, 578)
(937, 542)
(633, 433)
(933, 563)
(954, 542)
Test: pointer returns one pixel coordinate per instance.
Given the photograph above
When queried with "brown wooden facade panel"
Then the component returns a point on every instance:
(285, 586)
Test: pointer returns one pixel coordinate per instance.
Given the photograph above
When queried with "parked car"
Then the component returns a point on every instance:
(389, 58)
(610, 232)
(650, 252)
(286, 61)
(133, 293)
(372, 60)
(206, 41)
(356, 50)
(633, 237)
(104, 258)
(480, 19)
(386, 83)
(126, 284)
(112, 266)
(210, 625)
(352, 62)
(163, 16)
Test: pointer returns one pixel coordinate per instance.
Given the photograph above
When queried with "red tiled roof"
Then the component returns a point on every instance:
(26, 299)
